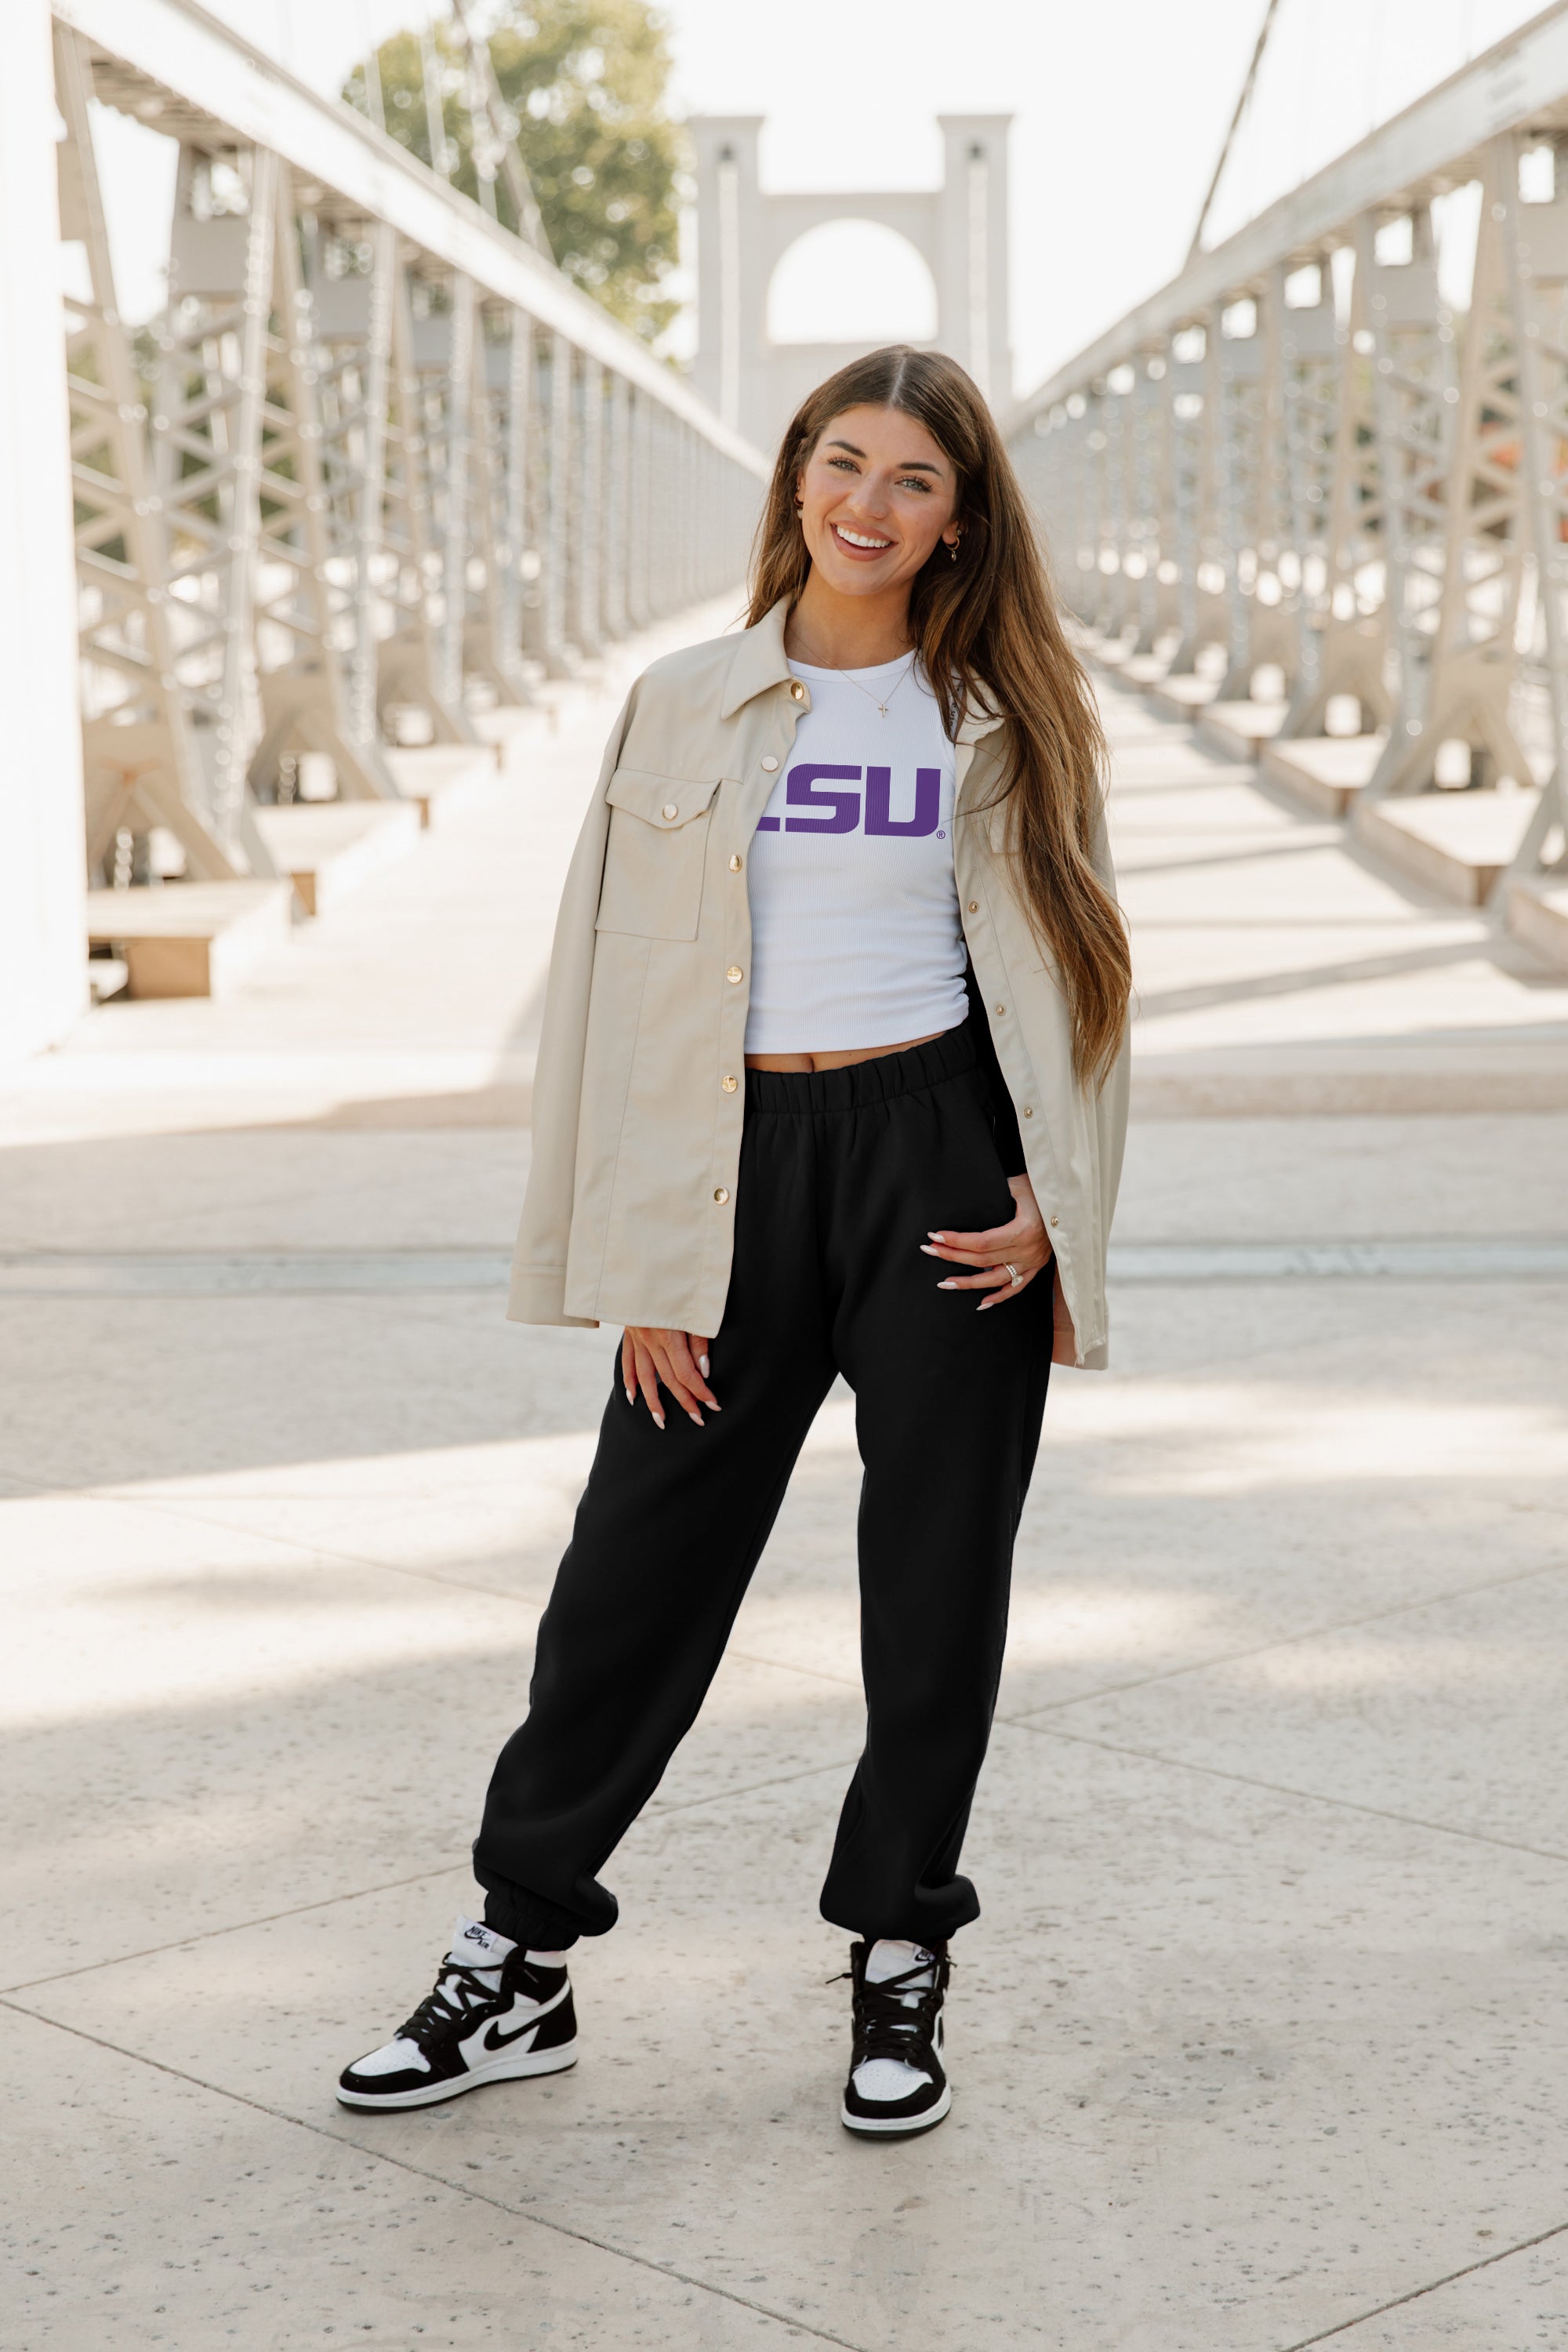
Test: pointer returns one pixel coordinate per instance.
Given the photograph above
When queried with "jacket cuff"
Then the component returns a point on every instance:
(538, 1295)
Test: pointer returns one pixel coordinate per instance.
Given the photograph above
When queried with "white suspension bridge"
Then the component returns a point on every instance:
(386, 469)
(1261, 2029)
(1308, 493)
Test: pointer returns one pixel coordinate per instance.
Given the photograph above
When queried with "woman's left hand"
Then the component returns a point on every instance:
(1008, 1256)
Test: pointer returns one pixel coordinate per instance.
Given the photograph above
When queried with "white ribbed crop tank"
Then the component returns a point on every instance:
(855, 937)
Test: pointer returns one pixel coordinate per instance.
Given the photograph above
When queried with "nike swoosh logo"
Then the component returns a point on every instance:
(496, 2040)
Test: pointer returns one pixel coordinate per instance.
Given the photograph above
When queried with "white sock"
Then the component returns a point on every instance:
(889, 1957)
(484, 1949)
(487, 1950)
(889, 2078)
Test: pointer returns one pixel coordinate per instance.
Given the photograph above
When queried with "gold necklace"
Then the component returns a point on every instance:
(851, 679)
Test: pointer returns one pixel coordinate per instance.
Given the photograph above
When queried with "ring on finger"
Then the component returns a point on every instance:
(1013, 1270)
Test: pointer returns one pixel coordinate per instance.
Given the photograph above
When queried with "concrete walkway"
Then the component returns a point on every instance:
(1263, 2038)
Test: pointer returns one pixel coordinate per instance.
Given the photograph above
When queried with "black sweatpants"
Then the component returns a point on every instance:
(843, 1173)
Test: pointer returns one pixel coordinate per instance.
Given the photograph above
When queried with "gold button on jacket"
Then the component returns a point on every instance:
(647, 996)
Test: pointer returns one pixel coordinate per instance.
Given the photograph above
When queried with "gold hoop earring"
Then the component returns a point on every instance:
(952, 549)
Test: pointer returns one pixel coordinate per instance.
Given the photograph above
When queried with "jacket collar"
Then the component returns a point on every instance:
(760, 661)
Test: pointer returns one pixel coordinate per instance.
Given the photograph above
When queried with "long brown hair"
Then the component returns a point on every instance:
(986, 628)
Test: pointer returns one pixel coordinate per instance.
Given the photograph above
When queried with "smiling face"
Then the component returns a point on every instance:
(876, 493)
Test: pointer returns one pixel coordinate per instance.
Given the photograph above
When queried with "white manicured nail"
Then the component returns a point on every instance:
(702, 1366)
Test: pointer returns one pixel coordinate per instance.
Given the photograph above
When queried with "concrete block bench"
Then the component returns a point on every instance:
(1326, 772)
(1537, 912)
(190, 939)
(329, 847)
(1238, 731)
(1457, 843)
(510, 728)
(1182, 698)
(440, 778)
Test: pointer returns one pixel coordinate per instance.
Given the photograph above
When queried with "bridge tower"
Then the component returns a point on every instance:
(959, 229)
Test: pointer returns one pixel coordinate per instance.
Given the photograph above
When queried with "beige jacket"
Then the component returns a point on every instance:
(640, 1088)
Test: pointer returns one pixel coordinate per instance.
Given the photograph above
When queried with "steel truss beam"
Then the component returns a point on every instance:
(1350, 484)
(1535, 258)
(215, 83)
(142, 765)
(1434, 145)
(393, 454)
(307, 625)
(493, 635)
(1336, 508)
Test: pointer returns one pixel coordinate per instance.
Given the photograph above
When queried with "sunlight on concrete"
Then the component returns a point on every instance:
(1262, 2026)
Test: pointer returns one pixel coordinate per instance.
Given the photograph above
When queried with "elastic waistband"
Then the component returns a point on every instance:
(863, 1083)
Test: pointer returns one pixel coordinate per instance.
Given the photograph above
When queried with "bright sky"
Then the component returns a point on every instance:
(1120, 107)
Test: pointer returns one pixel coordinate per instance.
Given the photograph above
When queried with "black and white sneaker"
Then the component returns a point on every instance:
(897, 2085)
(494, 2014)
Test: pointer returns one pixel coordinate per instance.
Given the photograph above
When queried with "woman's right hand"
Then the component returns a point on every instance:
(650, 1354)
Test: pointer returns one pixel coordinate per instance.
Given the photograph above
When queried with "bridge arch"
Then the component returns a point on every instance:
(851, 276)
(754, 362)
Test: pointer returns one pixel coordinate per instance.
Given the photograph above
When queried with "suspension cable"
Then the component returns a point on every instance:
(435, 112)
(374, 93)
(503, 129)
(1242, 104)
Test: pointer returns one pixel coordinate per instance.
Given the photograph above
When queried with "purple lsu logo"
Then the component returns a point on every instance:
(840, 811)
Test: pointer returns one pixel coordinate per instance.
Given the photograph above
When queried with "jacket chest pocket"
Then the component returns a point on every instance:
(655, 855)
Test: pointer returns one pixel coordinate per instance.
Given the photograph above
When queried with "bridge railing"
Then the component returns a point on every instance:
(377, 450)
(1304, 473)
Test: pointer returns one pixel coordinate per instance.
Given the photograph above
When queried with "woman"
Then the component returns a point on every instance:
(857, 854)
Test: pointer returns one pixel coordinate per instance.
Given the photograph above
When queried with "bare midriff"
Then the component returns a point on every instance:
(839, 1057)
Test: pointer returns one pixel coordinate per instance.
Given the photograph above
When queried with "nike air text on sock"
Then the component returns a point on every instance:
(888, 1957)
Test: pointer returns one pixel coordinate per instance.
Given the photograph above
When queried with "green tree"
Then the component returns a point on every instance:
(585, 81)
